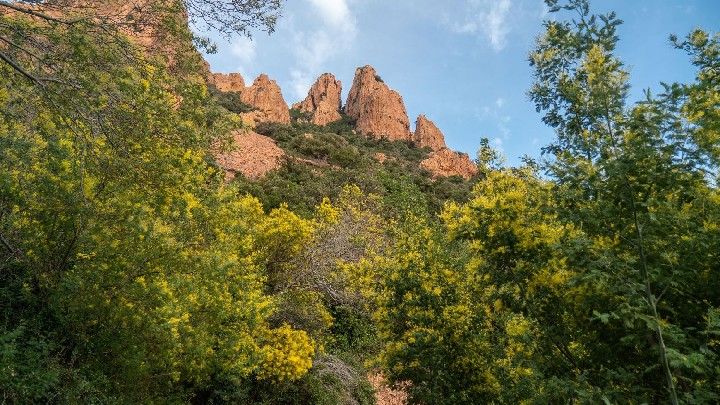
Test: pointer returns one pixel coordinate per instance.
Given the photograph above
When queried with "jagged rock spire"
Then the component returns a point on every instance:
(378, 110)
(323, 100)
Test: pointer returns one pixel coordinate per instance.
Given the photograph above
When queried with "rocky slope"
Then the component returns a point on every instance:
(253, 155)
(445, 162)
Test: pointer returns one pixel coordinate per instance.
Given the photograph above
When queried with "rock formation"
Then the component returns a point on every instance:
(266, 96)
(377, 109)
(323, 100)
(445, 162)
(427, 134)
(253, 155)
(227, 82)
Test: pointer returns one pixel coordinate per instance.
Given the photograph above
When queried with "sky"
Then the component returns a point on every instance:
(462, 63)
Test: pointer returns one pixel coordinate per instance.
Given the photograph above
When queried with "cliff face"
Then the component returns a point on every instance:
(427, 134)
(266, 96)
(445, 162)
(227, 82)
(377, 109)
(323, 100)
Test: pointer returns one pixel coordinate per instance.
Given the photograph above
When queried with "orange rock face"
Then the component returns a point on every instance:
(427, 134)
(377, 109)
(253, 155)
(323, 100)
(445, 162)
(227, 82)
(266, 96)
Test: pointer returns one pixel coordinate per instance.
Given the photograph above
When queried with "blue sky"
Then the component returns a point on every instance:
(462, 63)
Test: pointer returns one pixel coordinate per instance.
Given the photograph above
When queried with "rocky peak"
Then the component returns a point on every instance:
(427, 134)
(323, 100)
(227, 82)
(377, 109)
(266, 96)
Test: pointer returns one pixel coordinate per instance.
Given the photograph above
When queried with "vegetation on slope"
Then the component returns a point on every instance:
(321, 160)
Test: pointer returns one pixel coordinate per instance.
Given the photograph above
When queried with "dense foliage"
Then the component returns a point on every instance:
(130, 272)
(592, 276)
(322, 160)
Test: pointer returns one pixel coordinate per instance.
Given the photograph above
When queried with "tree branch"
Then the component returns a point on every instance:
(13, 44)
(19, 69)
(14, 252)
(38, 14)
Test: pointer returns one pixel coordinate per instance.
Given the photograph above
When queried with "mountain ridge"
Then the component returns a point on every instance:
(379, 113)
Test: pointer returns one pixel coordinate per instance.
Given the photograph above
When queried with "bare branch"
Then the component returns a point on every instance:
(17, 254)
(19, 69)
(38, 14)
(14, 45)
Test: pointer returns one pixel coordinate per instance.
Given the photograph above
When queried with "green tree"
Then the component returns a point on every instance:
(595, 281)
(31, 47)
(129, 270)
(639, 181)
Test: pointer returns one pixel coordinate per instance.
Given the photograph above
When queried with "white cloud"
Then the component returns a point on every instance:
(301, 82)
(244, 50)
(497, 144)
(335, 12)
(487, 19)
(327, 30)
(493, 113)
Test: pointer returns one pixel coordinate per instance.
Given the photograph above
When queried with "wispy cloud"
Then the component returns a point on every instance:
(244, 51)
(335, 12)
(497, 144)
(318, 39)
(488, 19)
(495, 114)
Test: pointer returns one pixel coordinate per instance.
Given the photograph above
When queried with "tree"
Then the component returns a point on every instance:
(128, 269)
(638, 180)
(30, 46)
(589, 277)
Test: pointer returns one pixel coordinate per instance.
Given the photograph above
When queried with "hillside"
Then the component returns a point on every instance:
(326, 146)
